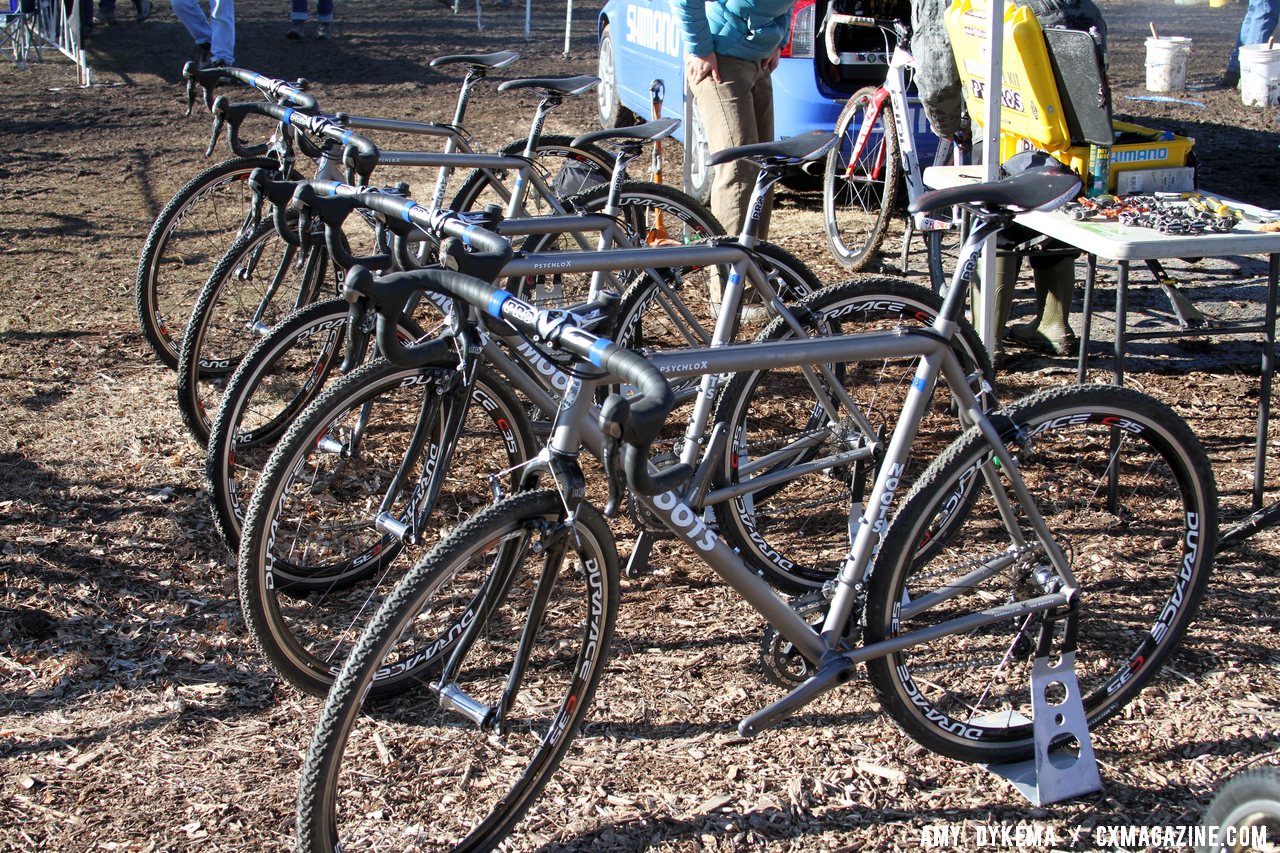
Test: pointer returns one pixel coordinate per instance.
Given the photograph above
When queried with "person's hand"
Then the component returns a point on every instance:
(702, 67)
(770, 62)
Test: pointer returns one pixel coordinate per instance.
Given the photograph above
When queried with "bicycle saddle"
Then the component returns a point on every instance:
(797, 149)
(553, 85)
(500, 59)
(647, 132)
(1034, 181)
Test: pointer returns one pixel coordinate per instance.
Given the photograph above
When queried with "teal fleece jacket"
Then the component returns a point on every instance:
(747, 29)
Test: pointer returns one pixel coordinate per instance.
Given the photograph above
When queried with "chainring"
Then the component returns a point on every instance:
(783, 665)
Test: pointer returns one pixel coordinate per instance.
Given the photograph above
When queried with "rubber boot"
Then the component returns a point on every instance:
(1006, 280)
(1051, 330)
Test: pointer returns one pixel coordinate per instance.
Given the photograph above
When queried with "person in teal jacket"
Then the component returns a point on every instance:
(731, 50)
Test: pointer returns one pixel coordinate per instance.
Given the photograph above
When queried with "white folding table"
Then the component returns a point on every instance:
(1108, 239)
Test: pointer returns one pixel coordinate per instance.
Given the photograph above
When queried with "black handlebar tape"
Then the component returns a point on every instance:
(359, 152)
(647, 416)
(267, 183)
(389, 296)
(332, 210)
(283, 91)
(490, 253)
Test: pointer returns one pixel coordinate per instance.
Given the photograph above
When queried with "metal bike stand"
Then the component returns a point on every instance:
(1052, 777)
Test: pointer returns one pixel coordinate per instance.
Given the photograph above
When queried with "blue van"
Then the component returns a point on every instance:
(640, 45)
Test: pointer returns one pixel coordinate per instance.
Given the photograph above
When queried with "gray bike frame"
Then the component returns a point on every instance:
(576, 425)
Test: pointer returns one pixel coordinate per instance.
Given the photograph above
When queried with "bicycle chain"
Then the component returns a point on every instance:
(963, 568)
(770, 443)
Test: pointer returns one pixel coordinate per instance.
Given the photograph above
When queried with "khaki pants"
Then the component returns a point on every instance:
(738, 111)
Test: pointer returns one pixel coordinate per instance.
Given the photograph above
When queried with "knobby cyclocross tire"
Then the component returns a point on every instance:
(796, 531)
(1245, 811)
(312, 565)
(272, 385)
(188, 237)
(1140, 547)
(261, 277)
(409, 773)
(860, 183)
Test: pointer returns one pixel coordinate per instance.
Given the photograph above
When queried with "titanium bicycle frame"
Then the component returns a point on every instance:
(577, 425)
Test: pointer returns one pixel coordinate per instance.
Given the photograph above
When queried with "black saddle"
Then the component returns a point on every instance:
(803, 148)
(553, 85)
(500, 59)
(647, 132)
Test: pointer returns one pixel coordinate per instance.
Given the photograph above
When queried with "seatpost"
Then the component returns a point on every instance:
(626, 152)
(550, 101)
(475, 73)
(769, 175)
(988, 223)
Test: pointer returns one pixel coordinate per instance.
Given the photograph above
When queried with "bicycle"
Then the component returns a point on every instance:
(660, 306)
(507, 621)
(289, 367)
(214, 208)
(305, 531)
(877, 160)
(242, 298)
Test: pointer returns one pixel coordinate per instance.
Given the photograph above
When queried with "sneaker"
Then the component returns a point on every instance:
(220, 63)
(105, 17)
(1230, 79)
(144, 10)
(294, 33)
(325, 32)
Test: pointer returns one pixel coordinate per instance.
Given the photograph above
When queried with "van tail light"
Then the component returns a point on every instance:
(800, 45)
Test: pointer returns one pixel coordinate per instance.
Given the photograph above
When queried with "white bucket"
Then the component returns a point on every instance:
(1260, 75)
(1167, 63)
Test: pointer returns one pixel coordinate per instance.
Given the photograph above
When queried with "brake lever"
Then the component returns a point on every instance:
(191, 95)
(219, 120)
(612, 414)
(305, 219)
(357, 333)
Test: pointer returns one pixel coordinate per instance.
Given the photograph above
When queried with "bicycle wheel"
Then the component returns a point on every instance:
(1141, 552)
(1245, 813)
(566, 169)
(942, 253)
(257, 283)
(411, 773)
(861, 178)
(942, 247)
(188, 237)
(272, 385)
(312, 565)
(796, 530)
(651, 214)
